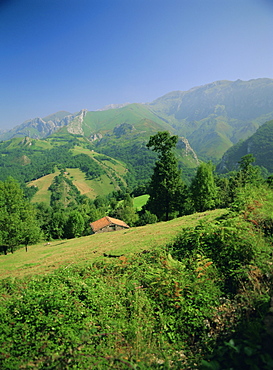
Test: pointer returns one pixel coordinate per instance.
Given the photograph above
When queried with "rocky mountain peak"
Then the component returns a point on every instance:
(75, 126)
(113, 106)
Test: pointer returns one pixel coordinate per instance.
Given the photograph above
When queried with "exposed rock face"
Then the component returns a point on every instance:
(26, 141)
(75, 126)
(184, 144)
(24, 160)
(113, 106)
(39, 128)
(95, 137)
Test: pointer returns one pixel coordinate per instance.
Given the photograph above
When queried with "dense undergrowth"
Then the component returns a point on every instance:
(202, 302)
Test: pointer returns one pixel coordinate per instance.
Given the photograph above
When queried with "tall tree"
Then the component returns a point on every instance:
(75, 225)
(203, 188)
(18, 224)
(126, 211)
(166, 184)
(248, 174)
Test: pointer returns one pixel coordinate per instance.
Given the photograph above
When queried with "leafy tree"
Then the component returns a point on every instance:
(101, 201)
(89, 213)
(18, 224)
(223, 186)
(57, 224)
(247, 172)
(126, 211)
(166, 184)
(128, 215)
(203, 188)
(246, 175)
(44, 215)
(128, 201)
(146, 218)
(75, 225)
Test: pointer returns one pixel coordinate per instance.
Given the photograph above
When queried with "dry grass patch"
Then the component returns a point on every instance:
(84, 186)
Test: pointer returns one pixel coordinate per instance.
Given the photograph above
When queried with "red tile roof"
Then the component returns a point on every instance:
(107, 221)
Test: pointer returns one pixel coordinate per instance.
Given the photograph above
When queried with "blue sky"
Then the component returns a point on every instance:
(74, 54)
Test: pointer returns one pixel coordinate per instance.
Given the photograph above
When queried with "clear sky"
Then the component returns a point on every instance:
(85, 54)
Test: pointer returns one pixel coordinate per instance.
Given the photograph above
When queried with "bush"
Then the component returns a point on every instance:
(231, 243)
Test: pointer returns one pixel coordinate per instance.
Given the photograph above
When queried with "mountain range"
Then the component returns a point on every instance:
(211, 117)
(106, 151)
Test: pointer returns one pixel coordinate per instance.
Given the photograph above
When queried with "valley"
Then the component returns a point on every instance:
(188, 283)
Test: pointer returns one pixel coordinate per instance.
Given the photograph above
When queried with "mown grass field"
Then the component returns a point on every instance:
(84, 186)
(44, 258)
(140, 201)
(108, 182)
(43, 183)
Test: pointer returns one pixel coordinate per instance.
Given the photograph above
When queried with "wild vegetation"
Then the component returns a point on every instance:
(198, 299)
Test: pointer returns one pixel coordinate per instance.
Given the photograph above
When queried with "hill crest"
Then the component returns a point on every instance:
(212, 117)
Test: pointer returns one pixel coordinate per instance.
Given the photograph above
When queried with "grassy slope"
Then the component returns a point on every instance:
(133, 114)
(43, 258)
(91, 188)
(79, 180)
(140, 201)
(43, 183)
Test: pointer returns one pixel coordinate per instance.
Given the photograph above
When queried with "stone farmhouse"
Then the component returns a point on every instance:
(107, 224)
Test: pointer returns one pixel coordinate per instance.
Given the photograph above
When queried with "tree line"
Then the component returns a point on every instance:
(23, 223)
(170, 197)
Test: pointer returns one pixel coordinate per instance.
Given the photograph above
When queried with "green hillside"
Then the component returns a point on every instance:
(112, 173)
(223, 112)
(134, 114)
(260, 144)
(152, 297)
(38, 163)
(213, 117)
(44, 258)
(208, 119)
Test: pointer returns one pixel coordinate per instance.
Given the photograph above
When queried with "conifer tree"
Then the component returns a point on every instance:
(166, 184)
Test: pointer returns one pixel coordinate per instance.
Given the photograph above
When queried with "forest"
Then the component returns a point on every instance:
(202, 301)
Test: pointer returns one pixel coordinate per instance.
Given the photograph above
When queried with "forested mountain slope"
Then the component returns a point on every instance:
(28, 159)
(38, 162)
(260, 144)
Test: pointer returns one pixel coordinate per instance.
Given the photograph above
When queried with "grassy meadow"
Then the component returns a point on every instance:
(140, 201)
(169, 301)
(44, 258)
(43, 183)
(105, 184)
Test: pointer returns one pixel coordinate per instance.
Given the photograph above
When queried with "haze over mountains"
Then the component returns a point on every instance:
(212, 117)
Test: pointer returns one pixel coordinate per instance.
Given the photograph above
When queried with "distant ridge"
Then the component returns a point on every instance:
(212, 117)
(112, 106)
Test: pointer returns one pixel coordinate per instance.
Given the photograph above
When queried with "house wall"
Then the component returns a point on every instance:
(110, 228)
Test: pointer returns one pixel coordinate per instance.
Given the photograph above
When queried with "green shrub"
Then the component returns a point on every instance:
(231, 243)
